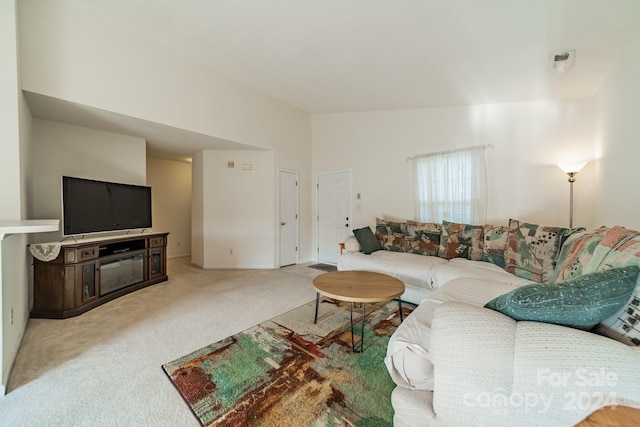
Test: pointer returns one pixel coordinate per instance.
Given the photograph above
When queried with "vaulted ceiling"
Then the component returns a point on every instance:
(327, 56)
(332, 56)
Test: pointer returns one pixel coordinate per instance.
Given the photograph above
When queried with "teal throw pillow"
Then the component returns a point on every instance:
(367, 240)
(580, 303)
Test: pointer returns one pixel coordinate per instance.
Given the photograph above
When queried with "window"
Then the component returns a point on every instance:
(450, 186)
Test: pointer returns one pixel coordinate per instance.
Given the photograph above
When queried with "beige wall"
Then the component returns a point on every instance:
(171, 199)
(617, 199)
(238, 210)
(9, 113)
(197, 209)
(61, 149)
(523, 180)
(70, 54)
(13, 263)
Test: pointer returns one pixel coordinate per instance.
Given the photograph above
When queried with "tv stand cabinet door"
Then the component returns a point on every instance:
(157, 267)
(87, 280)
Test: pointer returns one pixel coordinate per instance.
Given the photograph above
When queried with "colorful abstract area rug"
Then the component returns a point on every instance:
(289, 372)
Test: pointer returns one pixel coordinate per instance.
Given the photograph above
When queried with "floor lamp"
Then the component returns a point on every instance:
(572, 170)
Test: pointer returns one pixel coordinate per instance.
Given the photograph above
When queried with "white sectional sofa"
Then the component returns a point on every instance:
(490, 370)
(420, 274)
(414, 270)
(457, 363)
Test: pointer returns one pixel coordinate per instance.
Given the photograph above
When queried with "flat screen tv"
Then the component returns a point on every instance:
(90, 206)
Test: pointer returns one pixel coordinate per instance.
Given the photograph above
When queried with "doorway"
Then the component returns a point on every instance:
(288, 220)
(334, 216)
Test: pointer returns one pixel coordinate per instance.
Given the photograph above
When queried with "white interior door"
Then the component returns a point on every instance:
(288, 224)
(333, 214)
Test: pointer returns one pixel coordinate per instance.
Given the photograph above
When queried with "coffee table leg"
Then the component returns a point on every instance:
(315, 319)
(353, 345)
(353, 342)
(362, 332)
(400, 309)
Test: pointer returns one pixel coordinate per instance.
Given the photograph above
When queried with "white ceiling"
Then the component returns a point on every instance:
(331, 56)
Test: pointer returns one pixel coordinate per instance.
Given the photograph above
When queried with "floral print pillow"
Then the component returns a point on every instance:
(461, 241)
(533, 249)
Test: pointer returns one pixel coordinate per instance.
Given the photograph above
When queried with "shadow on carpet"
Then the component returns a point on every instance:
(324, 267)
(289, 372)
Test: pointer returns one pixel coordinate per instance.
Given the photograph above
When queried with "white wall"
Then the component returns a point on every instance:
(61, 149)
(73, 55)
(9, 113)
(171, 199)
(197, 209)
(618, 141)
(13, 259)
(238, 210)
(523, 179)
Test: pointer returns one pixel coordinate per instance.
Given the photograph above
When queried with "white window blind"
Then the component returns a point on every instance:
(450, 185)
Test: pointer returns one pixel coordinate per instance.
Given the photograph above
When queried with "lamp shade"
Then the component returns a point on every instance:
(574, 167)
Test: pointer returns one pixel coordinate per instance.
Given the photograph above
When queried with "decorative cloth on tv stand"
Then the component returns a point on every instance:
(45, 251)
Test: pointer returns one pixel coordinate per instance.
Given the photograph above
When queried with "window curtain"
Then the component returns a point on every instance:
(451, 186)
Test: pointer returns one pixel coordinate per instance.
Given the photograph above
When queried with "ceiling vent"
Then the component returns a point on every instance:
(562, 62)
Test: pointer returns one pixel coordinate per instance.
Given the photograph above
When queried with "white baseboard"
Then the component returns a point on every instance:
(238, 267)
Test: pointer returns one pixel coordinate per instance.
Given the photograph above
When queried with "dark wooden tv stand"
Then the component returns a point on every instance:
(89, 272)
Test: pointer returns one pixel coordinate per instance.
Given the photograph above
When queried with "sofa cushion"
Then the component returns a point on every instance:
(461, 240)
(413, 270)
(496, 238)
(423, 238)
(576, 253)
(367, 240)
(533, 249)
(581, 302)
(460, 268)
(391, 234)
(489, 372)
(620, 247)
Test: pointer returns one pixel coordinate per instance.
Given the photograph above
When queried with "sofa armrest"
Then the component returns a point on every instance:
(488, 367)
(350, 245)
(472, 350)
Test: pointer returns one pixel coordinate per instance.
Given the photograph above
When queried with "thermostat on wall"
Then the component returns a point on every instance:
(247, 166)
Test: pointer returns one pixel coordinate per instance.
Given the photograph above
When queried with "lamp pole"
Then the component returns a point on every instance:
(572, 179)
(572, 170)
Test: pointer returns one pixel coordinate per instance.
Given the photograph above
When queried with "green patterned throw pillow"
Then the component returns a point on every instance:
(620, 247)
(533, 249)
(581, 303)
(367, 240)
(496, 238)
(461, 241)
(576, 253)
(423, 238)
(391, 234)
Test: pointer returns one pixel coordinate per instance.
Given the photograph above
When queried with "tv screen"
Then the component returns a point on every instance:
(90, 206)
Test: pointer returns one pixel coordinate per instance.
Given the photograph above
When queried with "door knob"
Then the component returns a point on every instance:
(283, 223)
(346, 225)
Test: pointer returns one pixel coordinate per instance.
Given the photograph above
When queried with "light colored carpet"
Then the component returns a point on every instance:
(103, 368)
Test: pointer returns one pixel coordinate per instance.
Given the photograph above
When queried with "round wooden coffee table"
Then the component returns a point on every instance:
(358, 287)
